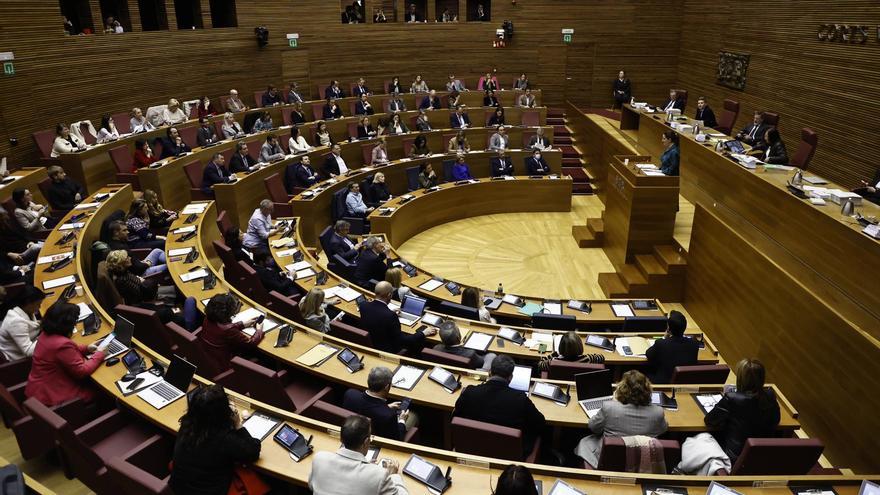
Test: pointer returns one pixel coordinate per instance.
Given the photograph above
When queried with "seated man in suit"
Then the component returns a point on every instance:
(451, 338)
(705, 113)
(215, 173)
(868, 190)
(674, 102)
(333, 90)
(674, 349)
(372, 262)
(490, 100)
(269, 275)
(502, 165)
(430, 102)
(271, 97)
(234, 103)
(363, 106)
(396, 104)
(334, 164)
(496, 403)
(361, 89)
(527, 99)
(63, 193)
(331, 110)
(172, 144)
(422, 123)
(499, 140)
(347, 468)
(339, 242)
(383, 325)
(459, 119)
(241, 161)
(539, 141)
(300, 175)
(293, 94)
(455, 85)
(536, 165)
(412, 15)
(387, 419)
(354, 202)
(271, 151)
(753, 133)
(206, 134)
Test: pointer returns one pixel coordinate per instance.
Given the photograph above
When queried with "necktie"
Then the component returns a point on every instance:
(461, 121)
(754, 130)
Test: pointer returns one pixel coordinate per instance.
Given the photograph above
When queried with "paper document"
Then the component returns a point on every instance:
(815, 180)
(316, 355)
(563, 488)
(300, 265)
(347, 294)
(622, 310)
(268, 325)
(419, 468)
(86, 206)
(531, 308)
(58, 282)
(287, 252)
(440, 374)
(277, 243)
(544, 389)
(539, 338)
(194, 209)
(638, 345)
(553, 308)
(708, 401)
(511, 299)
(84, 311)
(653, 173)
(179, 252)
(431, 284)
(507, 333)
(646, 166)
(42, 260)
(149, 379)
(247, 315)
(406, 377)
(300, 274)
(71, 226)
(478, 341)
(185, 230)
(259, 425)
(194, 275)
(522, 376)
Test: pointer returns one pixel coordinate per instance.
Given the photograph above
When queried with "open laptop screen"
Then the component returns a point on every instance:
(124, 330)
(522, 378)
(593, 384)
(180, 373)
(413, 305)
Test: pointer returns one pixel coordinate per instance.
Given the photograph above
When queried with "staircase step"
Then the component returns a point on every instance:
(559, 129)
(571, 162)
(557, 140)
(612, 285)
(596, 226)
(670, 259)
(584, 237)
(632, 277)
(577, 174)
(581, 189)
(555, 112)
(650, 266)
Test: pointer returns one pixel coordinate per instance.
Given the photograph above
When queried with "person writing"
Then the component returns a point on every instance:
(450, 336)
(459, 119)
(459, 143)
(420, 147)
(223, 339)
(240, 161)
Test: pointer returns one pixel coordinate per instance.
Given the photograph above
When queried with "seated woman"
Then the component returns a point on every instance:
(264, 123)
(749, 411)
(460, 170)
(107, 133)
(173, 115)
(379, 155)
(31, 217)
(419, 85)
(470, 297)
(297, 143)
(143, 293)
(670, 156)
(204, 109)
(211, 444)
(427, 176)
(233, 238)
(160, 218)
(143, 154)
(153, 263)
(138, 222)
(453, 99)
(379, 189)
(365, 129)
(138, 122)
(65, 142)
(313, 307)
(396, 126)
(420, 147)
(459, 143)
(322, 134)
(21, 325)
(231, 129)
(571, 349)
(629, 413)
(775, 149)
(422, 123)
(223, 339)
(297, 116)
(394, 276)
(20, 249)
(60, 369)
(516, 480)
(394, 86)
(497, 117)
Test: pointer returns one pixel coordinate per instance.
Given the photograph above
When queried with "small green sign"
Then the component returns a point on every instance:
(566, 38)
(292, 42)
(8, 69)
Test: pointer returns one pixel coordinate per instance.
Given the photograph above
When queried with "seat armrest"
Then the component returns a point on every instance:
(15, 372)
(74, 411)
(224, 377)
(411, 435)
(315, 398)
(102, 427)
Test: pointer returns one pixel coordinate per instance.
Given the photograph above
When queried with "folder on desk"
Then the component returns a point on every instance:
(529, 309)
(318, 355)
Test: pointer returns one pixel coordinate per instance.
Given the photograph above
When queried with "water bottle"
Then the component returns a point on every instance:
(500, 290)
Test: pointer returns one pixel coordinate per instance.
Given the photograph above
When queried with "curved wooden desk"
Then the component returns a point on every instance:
(25, 178)
(471, 474)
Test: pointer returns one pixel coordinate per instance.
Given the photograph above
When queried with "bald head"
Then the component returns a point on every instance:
(384, 290)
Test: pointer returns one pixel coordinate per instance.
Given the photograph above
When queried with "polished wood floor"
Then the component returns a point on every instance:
(529, 253)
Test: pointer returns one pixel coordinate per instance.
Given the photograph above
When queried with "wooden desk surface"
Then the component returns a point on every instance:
(472, 474)
(25, 178)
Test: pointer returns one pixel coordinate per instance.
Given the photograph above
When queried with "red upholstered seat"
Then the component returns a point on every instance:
(771, 118)
(278, 195)
(446, 358)
(276, 388)
(124, 163)
(144, 470)
(350, 333)
(777, 456)
(806, 149)
(531, 118)
(479, 438)
(700, 374)
(727, 118)
(613, 454)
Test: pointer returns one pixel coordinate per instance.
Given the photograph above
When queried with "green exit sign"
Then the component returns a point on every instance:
(8, 69)
(293, 42)
(566, 38)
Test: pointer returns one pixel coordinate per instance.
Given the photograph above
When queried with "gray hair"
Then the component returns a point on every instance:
(341, 225)
(379, 378)
(372, 241)
(265, 204)
(449, 333)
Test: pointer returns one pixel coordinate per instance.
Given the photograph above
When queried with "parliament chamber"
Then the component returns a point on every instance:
(429, 246)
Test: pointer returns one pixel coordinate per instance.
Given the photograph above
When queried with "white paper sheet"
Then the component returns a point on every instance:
(58, 282)
(306, 273)
(194, 275)
(300, 265)
(42, 260)
(622, 310)
(286, 252)
(86, 206)
(247, 315)
(259, 426)
(553, 308)
(71, 226)
(84, 311)
(431, 284)
(185, 230)
(179, 252)
(478, 341)
(406, 376)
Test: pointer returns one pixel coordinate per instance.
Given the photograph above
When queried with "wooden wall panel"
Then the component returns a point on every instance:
(828, 367)
(828, 86)
(64, 79)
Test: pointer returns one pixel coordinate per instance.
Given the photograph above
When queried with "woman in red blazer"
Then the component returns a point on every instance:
(220, 338)
(143, 154)
(60, 369)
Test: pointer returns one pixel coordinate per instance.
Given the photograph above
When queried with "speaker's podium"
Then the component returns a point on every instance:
(635, 231)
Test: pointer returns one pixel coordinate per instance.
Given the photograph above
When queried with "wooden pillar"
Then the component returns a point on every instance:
(369, 8)
(207, 22)
(171, 12)
(431, 10)
(462, 11)
(401, 10)
(134, 16)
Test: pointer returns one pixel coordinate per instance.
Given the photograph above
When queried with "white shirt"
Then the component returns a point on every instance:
(62, 145)
(299, 144)
(175, 117)
(341, 163)
(347, 472)
(105, 135)
(143, 125)
(18, 334)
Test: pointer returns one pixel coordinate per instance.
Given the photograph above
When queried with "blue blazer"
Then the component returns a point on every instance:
(453, 120)
(669, 161)
(384, 328)
(213, 174)
(382, 417)
(427, 102)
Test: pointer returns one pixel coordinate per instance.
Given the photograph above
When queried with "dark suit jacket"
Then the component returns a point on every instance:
(269, 100)
(299, 175)
(337, 245)
(62, 195)
(360, 110)
(490, 101)
(455, 124)
(624, 86)
(476, 359)
(331, 167)
(679, 104)
(428, 102)
(738, 417)
(707, 116)
(384, 327)
(500, 167)
(666, 354)
(396, 106)
(364, 132)
(379, 193)
(213, 174)
(360, 90)
(273, 280)
(241, 164)
(369, 266)
(206, 136)
(496, 403)
(537, 167)
(171, 149)
(297, 118)
(329, 113)
(330, 92)
(777, 155)
(383, 418)
(758, 140)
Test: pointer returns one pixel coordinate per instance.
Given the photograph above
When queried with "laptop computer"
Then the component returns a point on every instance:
(124, 331)
(522, 378)
(735, 146)
(412, 309)
(173, 385)
(593, 389)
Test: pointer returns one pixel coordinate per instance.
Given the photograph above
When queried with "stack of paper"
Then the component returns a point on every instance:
(42, 260)
(708, 401)
(197, 208)
(277, 243)
(179, 252)
(259, 425)
(316, 355)
(406, 377)
(622, 310)
(86, 206)
(638, 345)
(431, 284)
(478, 341)
(539, 338)
(300, 265)
(287, 252)
(84, 311)
(58, 282)
(552, 308)
(347, 294)
(184, 230)
(194, 275)
(71, 226)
